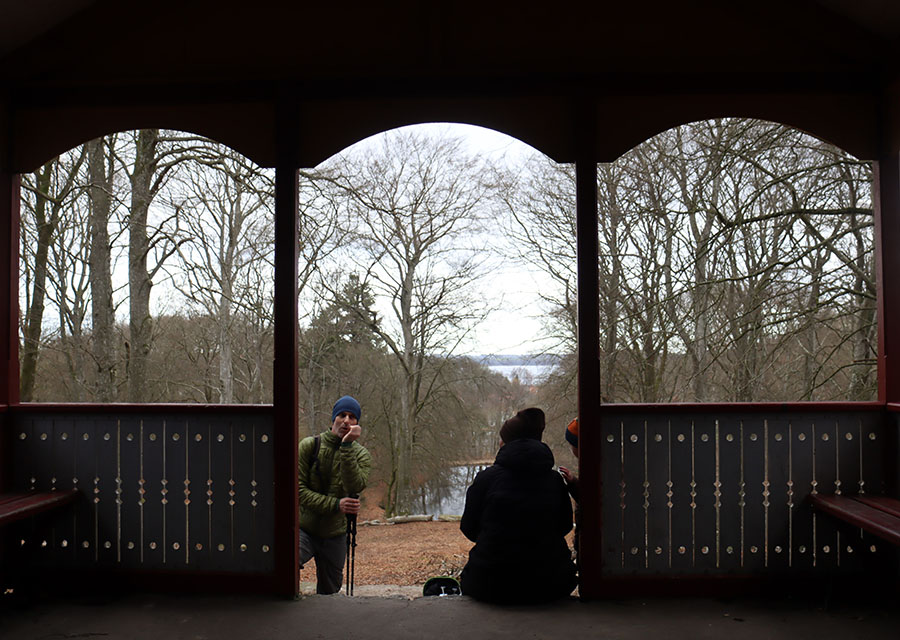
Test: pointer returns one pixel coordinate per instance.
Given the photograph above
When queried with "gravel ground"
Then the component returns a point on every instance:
(402, 555)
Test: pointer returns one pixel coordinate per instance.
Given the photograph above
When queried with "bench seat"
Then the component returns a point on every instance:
(18, 506)
(879, 515)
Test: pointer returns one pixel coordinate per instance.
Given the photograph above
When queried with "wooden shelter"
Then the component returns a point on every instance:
(289, 84)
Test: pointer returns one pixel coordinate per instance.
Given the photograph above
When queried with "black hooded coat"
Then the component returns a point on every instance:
(517, 513)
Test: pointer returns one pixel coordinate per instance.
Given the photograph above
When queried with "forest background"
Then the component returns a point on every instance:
(736, 264)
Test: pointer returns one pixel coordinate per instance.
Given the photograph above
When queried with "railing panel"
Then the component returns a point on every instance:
(723, 491)
(163, 490)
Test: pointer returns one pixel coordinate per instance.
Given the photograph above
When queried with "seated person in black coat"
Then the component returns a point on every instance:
(518, 513)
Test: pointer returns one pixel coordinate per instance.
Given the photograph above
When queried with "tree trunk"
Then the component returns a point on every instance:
(102, 310)
(34, 315)
(139, 281)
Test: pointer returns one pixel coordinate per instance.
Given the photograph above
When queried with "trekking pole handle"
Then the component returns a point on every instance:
(351, 517)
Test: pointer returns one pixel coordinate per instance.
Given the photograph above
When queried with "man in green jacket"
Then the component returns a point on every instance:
(333, 471)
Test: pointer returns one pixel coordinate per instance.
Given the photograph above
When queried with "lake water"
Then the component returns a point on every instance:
(448, 497)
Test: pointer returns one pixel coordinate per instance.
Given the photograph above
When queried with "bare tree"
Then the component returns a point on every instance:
(414, 205)
(47, 194)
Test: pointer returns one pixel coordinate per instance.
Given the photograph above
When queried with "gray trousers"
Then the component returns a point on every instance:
(330, 555)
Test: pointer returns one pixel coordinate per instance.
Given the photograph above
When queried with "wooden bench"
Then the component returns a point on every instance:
(18, 506)
(878, 515)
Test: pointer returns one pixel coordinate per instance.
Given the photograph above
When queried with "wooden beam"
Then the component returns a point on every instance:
(284, 385)
(591, 544)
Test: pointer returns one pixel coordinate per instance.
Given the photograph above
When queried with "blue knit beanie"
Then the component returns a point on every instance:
(348, 404)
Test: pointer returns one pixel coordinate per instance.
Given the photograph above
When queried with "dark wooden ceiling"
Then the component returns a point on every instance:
(74, 69)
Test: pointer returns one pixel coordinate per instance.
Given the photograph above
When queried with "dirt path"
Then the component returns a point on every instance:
(405, 554)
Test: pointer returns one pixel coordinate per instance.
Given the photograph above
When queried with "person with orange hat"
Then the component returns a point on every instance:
(572, 479)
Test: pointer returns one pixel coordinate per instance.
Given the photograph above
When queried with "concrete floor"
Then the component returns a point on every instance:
(397, 618)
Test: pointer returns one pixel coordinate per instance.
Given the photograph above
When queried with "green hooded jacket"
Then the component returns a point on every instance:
(344, 470)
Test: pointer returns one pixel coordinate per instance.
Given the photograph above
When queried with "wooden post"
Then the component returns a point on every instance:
(589, 441)
(284, 385)
(886, 190)
(9, 325)
(886, 195)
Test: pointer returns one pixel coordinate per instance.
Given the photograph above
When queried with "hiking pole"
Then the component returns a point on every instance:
(351, 548)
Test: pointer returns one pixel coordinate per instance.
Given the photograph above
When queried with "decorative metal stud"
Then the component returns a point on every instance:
(848, 436)
(826, 549)
(64, 436)
(242, 438)
(658, 551)
(729, 437)
(107, 545)
(729, 550)
(130, 545)
(64, 544)
(220, 438)
(153, 545)
(43, 544)
(801, 549)
(634, 551)
(801, 437)
(825, 437)
(681, 550)
(129, 437)
(198, 437)
(265, 548)
(198, 547)
(634, 437)
(221, 547)
(872, 435)
(85, 436)
(704, 549)
(152, 437)
(704, 437)
(680, 437)
(264, 438)
(753, 437)
(873, 549)
(753, 549)
(778, 437)
(106, 436)
(243, 547)
(176, 546)
(23, 436)
(86, 544)
(176, 436)
(658, 437)
(43, 436)
(777, 548)
(609, 438)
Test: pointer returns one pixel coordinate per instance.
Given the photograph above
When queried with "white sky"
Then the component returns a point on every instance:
(516, 327)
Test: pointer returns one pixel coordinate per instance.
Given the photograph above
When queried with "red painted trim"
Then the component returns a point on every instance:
(875, 521)
(9, 287)
(14, 507)
(886, 201)
(147, 409)
(883, 503)
(893, 407)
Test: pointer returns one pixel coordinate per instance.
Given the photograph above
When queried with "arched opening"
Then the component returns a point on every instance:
(146, 270)
(424, 309)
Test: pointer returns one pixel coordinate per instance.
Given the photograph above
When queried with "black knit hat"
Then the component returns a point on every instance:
(527, 423)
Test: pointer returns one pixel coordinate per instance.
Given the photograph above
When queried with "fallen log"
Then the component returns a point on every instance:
(425, 517)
